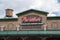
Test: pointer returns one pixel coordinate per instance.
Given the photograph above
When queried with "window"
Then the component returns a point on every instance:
(54, 25)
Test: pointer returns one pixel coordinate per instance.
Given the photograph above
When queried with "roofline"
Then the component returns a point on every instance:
(53, 18)
(8, 19)
(48, 18)
(32, 10)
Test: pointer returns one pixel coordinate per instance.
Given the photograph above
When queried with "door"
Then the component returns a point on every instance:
(33, 38)
(53, 38)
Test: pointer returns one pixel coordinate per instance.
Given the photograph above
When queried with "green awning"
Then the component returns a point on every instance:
(31, 24)
(29, 32)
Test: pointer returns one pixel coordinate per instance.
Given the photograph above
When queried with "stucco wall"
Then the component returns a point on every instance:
(8, 25)
(13, 25)
(53, 24)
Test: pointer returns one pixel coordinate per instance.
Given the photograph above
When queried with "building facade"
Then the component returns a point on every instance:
(30, 25)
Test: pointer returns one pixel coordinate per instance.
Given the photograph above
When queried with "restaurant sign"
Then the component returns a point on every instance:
(31, 20)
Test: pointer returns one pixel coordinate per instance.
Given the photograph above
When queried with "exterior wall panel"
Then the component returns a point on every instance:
(53, 24)
(33, 27)
(16, 24)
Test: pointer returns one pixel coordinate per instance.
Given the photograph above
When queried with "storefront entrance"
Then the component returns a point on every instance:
(53, 38)
(21, 38)
(33, 38)
(29, 38)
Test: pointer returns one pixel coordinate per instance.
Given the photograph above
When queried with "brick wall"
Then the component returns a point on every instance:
(53, 24)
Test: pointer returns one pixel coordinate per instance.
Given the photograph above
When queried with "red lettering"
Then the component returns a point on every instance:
(24, 19)
(31, 19)
(38, 19)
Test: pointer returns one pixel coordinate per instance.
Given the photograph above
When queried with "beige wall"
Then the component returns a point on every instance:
(13, 25)
(33, 27)
(53, 24)
(10, 25)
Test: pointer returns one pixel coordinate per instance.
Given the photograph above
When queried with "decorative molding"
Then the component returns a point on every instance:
(31, 24)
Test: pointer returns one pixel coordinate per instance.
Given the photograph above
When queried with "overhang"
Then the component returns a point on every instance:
(53, 18)
(8, 19)
(29, 32)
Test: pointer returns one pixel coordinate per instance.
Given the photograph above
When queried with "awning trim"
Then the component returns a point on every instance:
(29, 32)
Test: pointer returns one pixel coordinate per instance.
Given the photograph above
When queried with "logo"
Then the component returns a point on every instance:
(32, 19)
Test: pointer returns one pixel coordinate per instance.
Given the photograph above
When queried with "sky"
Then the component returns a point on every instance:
(51, 6)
